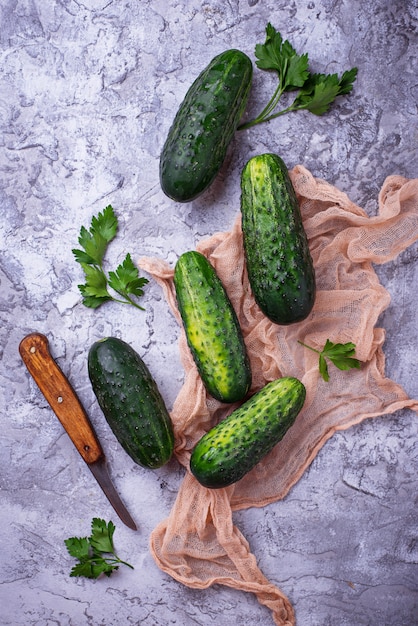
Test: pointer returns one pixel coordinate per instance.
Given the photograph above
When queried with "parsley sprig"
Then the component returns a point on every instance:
(96, 554)
(340, 354)
(125, 280)
(316, 92)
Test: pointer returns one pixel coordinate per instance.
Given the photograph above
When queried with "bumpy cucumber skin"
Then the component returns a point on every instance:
(131, 402)
(234, 446)
(279, 263)
(204, 125)
(212, 328)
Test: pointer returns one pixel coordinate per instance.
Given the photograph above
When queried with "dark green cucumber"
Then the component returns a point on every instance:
(234, 446)
(204, 125)
(131, 402)
(212, 328)
(279, 263)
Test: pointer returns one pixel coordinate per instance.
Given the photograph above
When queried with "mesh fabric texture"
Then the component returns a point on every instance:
(198, 544)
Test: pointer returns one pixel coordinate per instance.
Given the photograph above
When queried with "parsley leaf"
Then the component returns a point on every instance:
(105, 224)
(96, 554)
(78, 547)
(316, 92)
(340, 354)
(102, 535)
(320, 90)
(125, 281)
(280, 56)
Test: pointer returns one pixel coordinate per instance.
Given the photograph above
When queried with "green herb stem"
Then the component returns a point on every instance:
(310, 347)
(118, 561)
(259, 119)
(128, 301)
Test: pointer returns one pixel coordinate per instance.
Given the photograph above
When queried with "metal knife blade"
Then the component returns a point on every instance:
(57, 390)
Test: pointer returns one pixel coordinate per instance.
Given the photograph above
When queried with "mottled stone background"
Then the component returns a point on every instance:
(88, 90)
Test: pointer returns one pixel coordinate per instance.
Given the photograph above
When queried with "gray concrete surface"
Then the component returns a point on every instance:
(88, 90)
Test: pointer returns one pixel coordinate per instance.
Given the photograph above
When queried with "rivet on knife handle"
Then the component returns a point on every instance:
(34, 350)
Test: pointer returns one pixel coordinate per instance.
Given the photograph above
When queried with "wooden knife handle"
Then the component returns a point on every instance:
(34, 350)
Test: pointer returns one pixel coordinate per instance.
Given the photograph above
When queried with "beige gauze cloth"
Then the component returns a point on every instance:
(198, 544)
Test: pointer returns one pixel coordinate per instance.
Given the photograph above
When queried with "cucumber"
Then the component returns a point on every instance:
(279, 263)
(204, 125)
(212, 328)
(234, 446)
(131, 402)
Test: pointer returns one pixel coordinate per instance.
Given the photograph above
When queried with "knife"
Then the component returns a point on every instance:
(57, 390)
